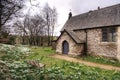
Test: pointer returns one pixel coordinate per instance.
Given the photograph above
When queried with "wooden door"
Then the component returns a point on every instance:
(65, 47)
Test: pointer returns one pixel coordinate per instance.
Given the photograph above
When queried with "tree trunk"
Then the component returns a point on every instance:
(48, 36)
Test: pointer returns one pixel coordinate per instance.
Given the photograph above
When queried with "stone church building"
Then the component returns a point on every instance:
(93, 33)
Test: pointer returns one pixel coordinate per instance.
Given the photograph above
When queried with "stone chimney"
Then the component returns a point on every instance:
(70, 15)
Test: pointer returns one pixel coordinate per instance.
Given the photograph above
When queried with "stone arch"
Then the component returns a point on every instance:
(65, 47)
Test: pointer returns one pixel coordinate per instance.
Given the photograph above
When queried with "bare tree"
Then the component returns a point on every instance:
(32, 28)
(8, 10)
(38, 26)
(53, 21)
(37, 31)
(47, 12)
(50, 18)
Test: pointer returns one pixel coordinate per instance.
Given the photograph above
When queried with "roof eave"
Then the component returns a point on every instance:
(97, 27)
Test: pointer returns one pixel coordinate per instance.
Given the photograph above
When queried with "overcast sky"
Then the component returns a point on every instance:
(77, 7)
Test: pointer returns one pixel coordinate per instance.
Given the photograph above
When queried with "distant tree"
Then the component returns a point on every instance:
(53, 21)
(47, 12)
(37, 28)
(38, 24)
(50, 16)
(31, 28)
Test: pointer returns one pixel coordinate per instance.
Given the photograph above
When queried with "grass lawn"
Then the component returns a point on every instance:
(55, 69)
(43, 55)
(101, 60)
(76, 70)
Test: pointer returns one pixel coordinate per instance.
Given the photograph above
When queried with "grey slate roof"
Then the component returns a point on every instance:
(108, 16)
(72, 35)
(76, 39)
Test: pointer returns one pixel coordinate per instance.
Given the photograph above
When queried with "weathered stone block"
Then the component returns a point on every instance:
(118, 41)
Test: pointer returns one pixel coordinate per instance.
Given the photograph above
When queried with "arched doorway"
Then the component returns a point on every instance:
(65, 47)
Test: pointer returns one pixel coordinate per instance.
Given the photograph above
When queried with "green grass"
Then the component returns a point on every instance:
(70, 68)
(43, 54)
(57, 69)
(101, 60)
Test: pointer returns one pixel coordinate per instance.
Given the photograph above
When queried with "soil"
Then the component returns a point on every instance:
(87, 63)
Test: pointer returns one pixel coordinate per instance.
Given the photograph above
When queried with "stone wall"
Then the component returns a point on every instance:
(97, 47)
(95, 44)
(74, 49)
(118, 41)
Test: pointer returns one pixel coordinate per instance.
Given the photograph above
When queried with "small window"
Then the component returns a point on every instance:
(109, 34)
(104, 35)
(112, 34)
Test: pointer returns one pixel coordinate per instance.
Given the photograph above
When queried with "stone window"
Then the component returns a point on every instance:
(104, 34)
(109, 34)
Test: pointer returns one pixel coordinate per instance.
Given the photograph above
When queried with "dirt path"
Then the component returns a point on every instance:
(67, 58)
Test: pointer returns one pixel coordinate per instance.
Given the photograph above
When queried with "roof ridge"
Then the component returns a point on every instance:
(105, 17)
(97, 10)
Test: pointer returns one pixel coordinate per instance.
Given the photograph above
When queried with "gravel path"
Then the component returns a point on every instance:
(103, 66)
